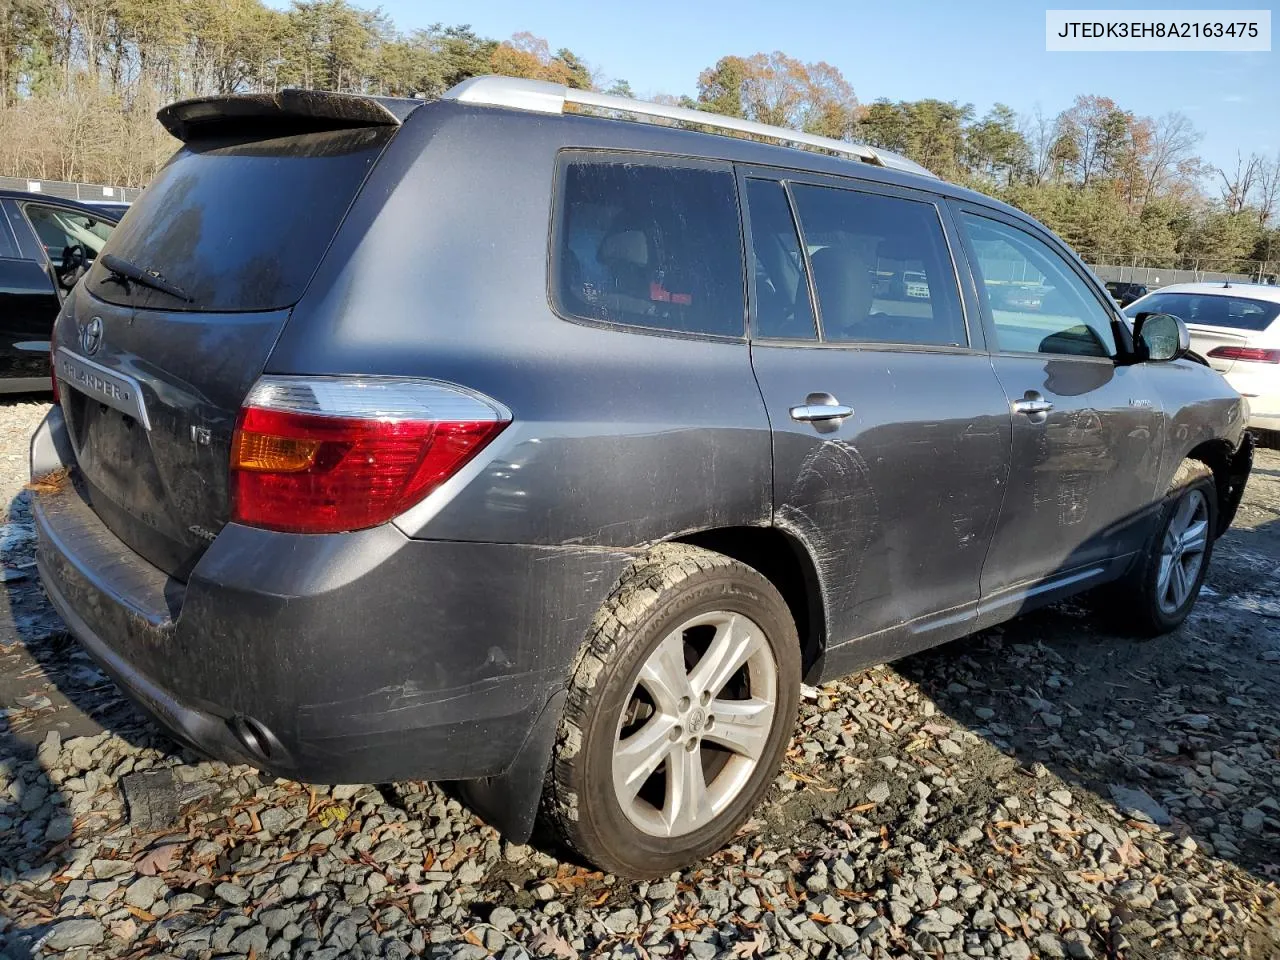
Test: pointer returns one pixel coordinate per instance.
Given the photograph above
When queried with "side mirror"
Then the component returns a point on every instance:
(1162, 335)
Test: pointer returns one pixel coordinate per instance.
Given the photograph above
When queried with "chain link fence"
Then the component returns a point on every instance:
(1140, 269)
(84, 192)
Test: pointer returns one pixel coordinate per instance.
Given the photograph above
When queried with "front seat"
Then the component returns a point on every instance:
(844, 293)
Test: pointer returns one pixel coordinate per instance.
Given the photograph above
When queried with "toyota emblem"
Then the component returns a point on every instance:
(91, 336)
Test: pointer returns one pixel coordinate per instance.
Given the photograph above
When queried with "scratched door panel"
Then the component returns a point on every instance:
(898, 502)
(1086, 430)
(1083, 479)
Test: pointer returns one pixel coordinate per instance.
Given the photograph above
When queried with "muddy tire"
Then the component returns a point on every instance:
(1158, 593)
(680, 706)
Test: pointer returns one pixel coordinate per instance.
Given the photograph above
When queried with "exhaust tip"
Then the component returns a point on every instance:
(253, 736)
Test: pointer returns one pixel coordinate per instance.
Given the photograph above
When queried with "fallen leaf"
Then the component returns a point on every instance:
(604, 895)
(124, 929)
(157, 859)
(50, 482)
(333, 815)
(141, 914)
(750, 948)
(547, 944)
(1129, 855)
(569, 881)
(455, 858)
(471, 937)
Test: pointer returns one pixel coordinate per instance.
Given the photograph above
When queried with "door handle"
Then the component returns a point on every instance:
(1032, 403)
(820, 407)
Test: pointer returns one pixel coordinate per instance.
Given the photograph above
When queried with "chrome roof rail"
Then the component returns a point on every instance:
(543, 97)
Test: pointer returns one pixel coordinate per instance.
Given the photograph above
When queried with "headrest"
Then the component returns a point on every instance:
(625, 246)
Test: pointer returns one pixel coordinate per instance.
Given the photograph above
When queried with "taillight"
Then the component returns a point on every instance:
(1246, 353)
(53, 362)
(328, 454)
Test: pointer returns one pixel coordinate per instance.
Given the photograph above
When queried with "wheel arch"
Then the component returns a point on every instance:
(784, 561)
(1230, 468)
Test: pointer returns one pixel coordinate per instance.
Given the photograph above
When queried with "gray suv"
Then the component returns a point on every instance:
(529, 439)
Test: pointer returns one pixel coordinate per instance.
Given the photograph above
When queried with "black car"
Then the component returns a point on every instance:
(46, 245)
(1126, 292)
(483, 440)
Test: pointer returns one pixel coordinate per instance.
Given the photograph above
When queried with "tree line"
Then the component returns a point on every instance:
(80, 81)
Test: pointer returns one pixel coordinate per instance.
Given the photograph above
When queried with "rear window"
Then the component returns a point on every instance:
(1211, 310)
(648, 243)
(240, 225)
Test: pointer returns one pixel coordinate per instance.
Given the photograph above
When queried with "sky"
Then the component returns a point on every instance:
(970, 52)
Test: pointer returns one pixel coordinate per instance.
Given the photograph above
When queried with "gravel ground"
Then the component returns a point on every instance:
(1045, 789)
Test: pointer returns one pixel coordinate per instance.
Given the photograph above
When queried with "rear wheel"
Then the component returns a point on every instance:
(680, 706)
(1162, 588)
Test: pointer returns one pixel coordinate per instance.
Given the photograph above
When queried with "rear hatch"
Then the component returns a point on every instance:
(231, 231)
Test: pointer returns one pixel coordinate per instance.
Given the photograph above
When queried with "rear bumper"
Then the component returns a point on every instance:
(359, 657)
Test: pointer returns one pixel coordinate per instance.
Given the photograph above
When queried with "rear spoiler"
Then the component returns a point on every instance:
(291, 110)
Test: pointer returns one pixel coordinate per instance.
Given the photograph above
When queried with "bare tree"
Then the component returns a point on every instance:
(1237, 186)
(1268, 189)
(1039, 132)
(1170, 148)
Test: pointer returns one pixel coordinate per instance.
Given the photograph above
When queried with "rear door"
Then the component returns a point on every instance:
(891, 433)
(233, 228)
(1087, 433)
(28, 305)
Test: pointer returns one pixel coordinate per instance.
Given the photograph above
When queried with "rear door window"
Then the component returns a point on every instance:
(240, 224)
(649, 243)
(881, 268)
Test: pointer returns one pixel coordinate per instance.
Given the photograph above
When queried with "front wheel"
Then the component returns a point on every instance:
(1166, 581)
(679, 709)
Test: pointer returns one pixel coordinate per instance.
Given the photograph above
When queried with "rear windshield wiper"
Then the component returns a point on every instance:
(124, 270)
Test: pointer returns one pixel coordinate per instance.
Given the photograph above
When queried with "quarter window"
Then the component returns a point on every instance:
(1038, 303)
(782, 304)
(650, 244)
(7, 248)
(881, 268)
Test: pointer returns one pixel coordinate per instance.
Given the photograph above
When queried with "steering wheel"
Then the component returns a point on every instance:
(75, 263)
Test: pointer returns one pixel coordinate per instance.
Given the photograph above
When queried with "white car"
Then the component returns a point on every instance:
(1235, 327)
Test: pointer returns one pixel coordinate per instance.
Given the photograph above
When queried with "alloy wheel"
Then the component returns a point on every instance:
(696, 724)
(1182, 551)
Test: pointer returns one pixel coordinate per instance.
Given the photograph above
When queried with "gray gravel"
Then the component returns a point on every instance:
(1045, 789)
